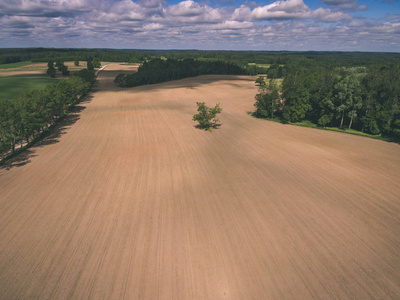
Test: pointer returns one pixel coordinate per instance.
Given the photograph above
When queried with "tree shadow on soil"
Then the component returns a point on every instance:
(19, 160)
(51, 137)
(213, 126)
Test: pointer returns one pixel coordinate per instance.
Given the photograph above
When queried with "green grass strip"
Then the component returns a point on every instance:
(309, 124)
(18, 64)
(11, 87)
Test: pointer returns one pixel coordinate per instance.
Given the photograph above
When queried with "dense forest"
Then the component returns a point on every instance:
(364, 98)
(26, 117)
(242, 58)
(53, 54)
(160, 70)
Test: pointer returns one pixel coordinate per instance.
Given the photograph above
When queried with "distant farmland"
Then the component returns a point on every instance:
(11, 87)
(16, 78)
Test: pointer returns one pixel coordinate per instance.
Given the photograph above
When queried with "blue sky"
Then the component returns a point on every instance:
(336, 25)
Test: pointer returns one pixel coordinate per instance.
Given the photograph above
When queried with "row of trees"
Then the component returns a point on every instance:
(160, 70)
(361, 98)
(59, 65)
(51, 70)
(93, 63)
(24, 118)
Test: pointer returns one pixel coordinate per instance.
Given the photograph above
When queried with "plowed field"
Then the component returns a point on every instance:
(128, 200)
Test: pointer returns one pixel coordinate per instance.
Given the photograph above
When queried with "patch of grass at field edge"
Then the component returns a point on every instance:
(309, 124)
(355, 132)
(275, 119)
(11, 87)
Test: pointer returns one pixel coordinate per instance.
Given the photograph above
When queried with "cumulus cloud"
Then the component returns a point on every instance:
(329, 16)
(187, 8)
(152, 26)
(45, 8)
(229, 24)
(242, 13)
(125, 10)
(282, 10)
(191, 12)
(288, 10)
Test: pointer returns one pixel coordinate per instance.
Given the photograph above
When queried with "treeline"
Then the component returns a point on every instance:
(52, 54)
(361, 98)
(329, 59)
(26, 117)
(159, 70)
(242, 58)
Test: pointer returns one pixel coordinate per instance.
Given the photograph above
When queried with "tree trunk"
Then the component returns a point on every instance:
(351, 121)
(363, 127)
(272, 109)
(341, 122)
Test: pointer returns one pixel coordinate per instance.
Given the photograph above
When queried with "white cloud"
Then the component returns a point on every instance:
(329, 16)
(282, 10)
(234, 25)
(49, 8)
(242, 13)
(288, 10)
(187, 8)
(152, 26)
(191, 12)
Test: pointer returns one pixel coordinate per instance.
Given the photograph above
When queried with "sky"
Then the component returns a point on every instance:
(295, 25)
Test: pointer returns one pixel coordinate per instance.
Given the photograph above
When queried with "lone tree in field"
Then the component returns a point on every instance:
(76, 62)
(206, 116)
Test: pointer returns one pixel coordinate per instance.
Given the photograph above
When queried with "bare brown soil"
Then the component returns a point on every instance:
(128, 200)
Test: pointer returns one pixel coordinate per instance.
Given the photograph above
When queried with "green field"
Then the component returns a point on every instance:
(17, 65)
(278, 82)
(11, 87)
(260, 65)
